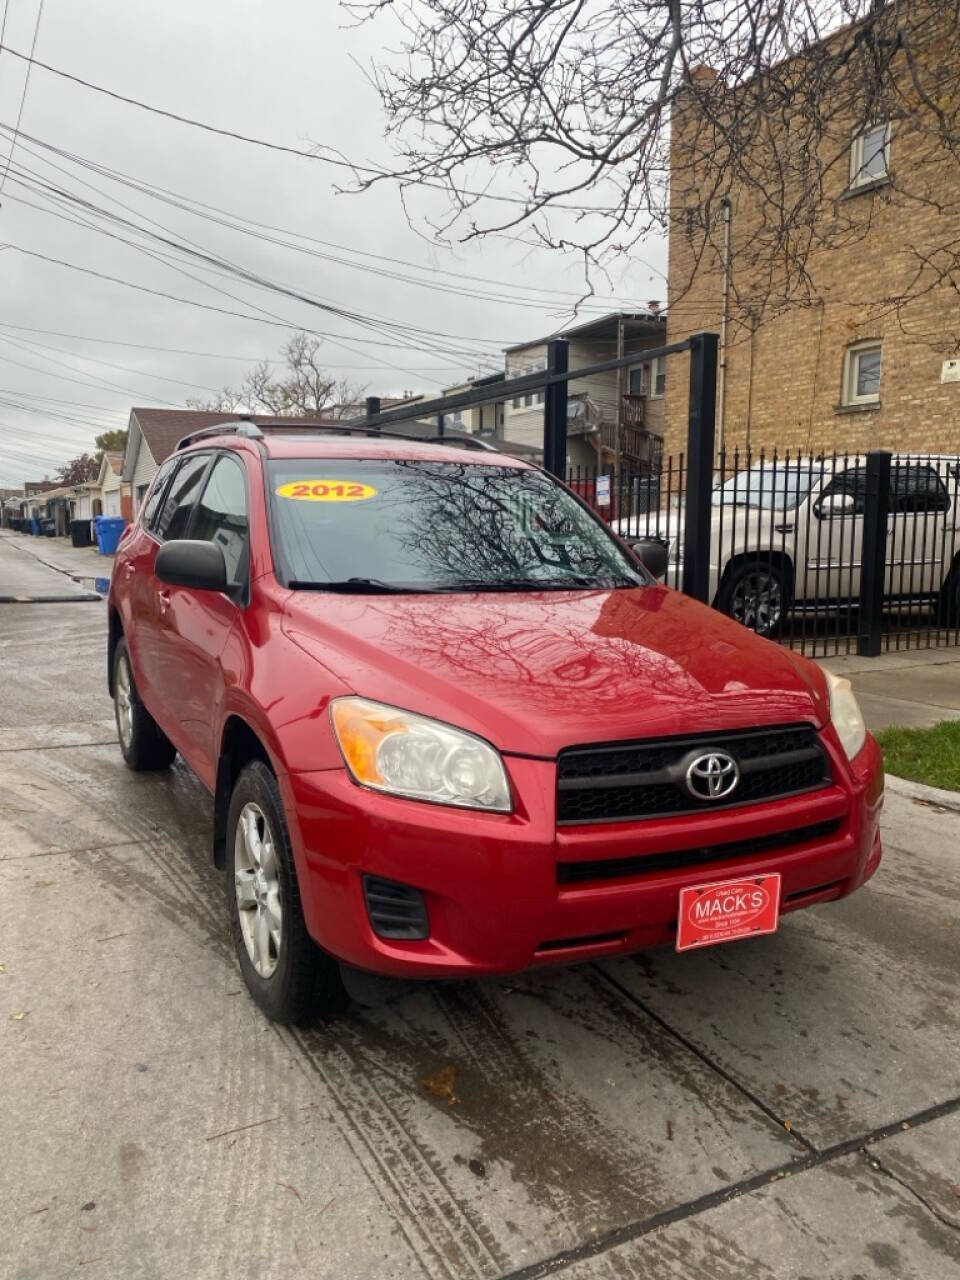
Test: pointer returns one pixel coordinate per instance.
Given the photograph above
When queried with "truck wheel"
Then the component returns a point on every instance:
(948, 606)
(755, 594)
(143, 743)
(287, 974)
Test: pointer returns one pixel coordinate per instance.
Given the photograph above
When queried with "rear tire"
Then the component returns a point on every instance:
(144, 744)
(755, 593)
(287, 974)
(948, 606)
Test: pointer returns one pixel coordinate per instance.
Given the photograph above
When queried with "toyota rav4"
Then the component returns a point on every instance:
(452, 726)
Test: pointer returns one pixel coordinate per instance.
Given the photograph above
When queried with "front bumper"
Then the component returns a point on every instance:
(495, 899)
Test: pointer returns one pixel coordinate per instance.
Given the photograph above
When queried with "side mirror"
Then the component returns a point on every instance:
(835, 504)
(192, 563)
(653, 554)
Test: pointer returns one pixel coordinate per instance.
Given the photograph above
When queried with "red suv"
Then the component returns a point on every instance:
(452, 726)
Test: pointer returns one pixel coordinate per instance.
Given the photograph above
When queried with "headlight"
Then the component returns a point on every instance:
(845, 714)
(408, 755)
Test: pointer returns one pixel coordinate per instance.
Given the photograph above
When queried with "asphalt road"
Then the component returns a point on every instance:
(784, 1107)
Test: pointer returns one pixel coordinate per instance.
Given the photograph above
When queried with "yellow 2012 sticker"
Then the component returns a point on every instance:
(326, 491)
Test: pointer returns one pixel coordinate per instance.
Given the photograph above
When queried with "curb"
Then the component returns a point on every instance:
(926, 795)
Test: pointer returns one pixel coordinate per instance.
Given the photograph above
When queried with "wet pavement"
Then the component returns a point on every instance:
(787, 1107)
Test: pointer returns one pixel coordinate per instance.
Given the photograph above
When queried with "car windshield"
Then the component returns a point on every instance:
(400, 525)
(772, 490)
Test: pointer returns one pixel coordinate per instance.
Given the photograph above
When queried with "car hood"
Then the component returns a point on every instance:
(534, 672)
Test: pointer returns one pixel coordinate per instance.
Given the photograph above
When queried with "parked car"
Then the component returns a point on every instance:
(453, 727)
(789, 535)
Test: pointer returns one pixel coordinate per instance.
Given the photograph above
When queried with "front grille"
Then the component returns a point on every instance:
(396, 910)
(617, 868)
(632, 780)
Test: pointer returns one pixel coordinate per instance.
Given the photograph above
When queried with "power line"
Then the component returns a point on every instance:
(338, 161)
(185, 351)
(200, 209)
(26, 86)
(212, 261)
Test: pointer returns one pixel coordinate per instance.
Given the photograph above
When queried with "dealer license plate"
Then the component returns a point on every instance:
(730, 909)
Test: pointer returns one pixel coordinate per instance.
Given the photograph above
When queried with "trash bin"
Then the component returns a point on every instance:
(80, 533)
(109, 529)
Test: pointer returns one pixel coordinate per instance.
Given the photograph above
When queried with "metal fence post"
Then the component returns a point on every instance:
(873, 554)
(701, 431)
(555, 411)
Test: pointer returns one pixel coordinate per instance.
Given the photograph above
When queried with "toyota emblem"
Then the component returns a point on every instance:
(712, 776)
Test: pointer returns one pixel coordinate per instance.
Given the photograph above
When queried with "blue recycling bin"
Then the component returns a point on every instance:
(109, 530)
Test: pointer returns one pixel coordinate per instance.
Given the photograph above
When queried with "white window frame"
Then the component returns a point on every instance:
(658, 369)
(857, 176)
(644, 370)
(851, 371)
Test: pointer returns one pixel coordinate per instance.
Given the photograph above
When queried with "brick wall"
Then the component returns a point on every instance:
(786, 338)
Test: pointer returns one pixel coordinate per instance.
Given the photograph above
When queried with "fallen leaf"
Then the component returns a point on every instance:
(477, 1167)
(669, 1130)
(441, 1084)
(91, 1204)
(19, 1015)
(3, 968)
(788, 1126)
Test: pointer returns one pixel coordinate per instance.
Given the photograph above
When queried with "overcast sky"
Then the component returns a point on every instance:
(284, 72)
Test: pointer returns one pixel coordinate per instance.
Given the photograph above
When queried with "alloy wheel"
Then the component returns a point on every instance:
(123, 696)
(758, 602)
(257, 882)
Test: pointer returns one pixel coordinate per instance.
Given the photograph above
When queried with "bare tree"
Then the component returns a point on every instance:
(593, 124)
(302, 389)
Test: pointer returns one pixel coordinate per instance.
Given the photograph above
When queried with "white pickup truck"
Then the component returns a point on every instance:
(788, 535)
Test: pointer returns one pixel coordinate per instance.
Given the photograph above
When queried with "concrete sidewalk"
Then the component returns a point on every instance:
(914, 688)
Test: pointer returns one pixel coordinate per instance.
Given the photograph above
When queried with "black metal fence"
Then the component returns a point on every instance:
(837, 554)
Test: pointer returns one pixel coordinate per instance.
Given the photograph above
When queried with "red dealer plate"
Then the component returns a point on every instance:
(711, 913)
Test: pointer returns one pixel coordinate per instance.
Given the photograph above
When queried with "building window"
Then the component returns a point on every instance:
(870, 154)
(861, 373)
(658, 376)
(649, 379)
(532, 397)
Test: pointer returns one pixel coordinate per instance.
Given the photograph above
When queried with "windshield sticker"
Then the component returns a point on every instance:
(326, 491)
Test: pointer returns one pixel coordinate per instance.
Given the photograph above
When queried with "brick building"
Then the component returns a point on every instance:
(851, 342)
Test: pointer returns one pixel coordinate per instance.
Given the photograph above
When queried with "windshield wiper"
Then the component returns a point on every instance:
(531, 584)
(361, 586)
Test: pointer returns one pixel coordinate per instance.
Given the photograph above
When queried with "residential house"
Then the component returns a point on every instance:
(153, 435)
(621, 410)
(482, 419)
(112, 491)
(858, 349)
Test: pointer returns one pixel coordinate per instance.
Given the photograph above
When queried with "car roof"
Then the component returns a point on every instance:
(390, 448)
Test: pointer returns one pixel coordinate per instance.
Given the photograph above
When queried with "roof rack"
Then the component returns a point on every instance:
(251, 431)
(248, 429)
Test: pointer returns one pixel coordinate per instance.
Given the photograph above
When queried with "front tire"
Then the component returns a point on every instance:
(755, 594)
(287, 974)
(142, 741)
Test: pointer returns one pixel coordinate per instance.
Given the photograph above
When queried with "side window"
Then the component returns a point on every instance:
(156, 493)
(222, 516)
(180, 496)
(915, 487)
(854, 482)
